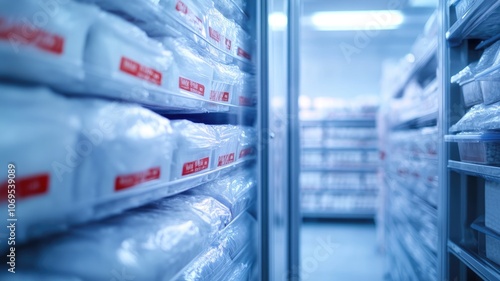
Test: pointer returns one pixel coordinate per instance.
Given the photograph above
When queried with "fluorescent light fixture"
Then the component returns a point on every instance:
(357, 20)
(278, 21)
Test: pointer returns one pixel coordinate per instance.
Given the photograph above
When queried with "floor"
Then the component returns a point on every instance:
(340, 251)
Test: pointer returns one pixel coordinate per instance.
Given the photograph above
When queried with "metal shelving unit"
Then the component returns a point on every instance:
(340, 200)
(462, 184)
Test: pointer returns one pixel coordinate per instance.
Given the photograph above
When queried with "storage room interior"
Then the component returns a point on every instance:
(249, 140)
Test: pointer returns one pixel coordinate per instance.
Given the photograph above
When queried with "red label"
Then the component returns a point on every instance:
(195, 166)
(25, 34)
(191, 86)
(246, 152)
(214, 34)
(219, 96)
(245, 101)
(228, 44)
(130, 180)
(226, 159)
(26, 187)
(244, 54)
(142, 72)
(181, 7)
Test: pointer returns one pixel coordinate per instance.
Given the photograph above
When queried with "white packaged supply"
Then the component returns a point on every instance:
(207, 266)
(238, 235)
(40, 140)
(226, 152)
(243, 45)
(224, 83)
(154, 242)
(221, 34)
(245, 90)
(129, 149)
(233, 10)
(122, 62)
(236, 191)
(247, 140)
(44, 41)
(196, 145)
(194, 73)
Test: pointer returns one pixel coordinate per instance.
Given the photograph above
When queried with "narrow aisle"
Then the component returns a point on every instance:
(340, 251)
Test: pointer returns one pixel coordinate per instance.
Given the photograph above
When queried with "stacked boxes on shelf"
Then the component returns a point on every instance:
(81, 95)
(339, 163)
(410, 137)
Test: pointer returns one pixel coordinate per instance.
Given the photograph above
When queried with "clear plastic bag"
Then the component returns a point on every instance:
(41, 141)
(226, 153)
(122, 62)
(129, 148)
(149, 243)
(195, 73)
(237, 192)
(41, 37)
(224, 83)
(196, 147)
(233, 10)
(479, 118)
(247, 142)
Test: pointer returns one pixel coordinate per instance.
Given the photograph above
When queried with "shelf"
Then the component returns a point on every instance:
(475, 16)
(342, 169)
(419, 64)
(480, 266)
(345, 191)
(427, 120)
(484, 171)
(345, 148)
(147, 193)
(357, 123)
(354, 214)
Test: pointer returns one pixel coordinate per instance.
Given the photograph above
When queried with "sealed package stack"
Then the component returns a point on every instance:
(407, 125)
(339, 162)
(95, 174)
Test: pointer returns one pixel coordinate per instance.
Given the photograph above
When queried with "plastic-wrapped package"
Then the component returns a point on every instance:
(129, 148)
(40, 37)
(224, 83)
(471, 89)
(479, 118)
(239, 234)
(236, 191)
(195, 73)
(244, 90)
(41, 141)
(233, 10)
(243, 44)
(191, 13)
(120, 57)
(196, 145)
(207, 266)
(226, 153)
(221, 34)
(247, 142)
(149, 243)
(478, 147)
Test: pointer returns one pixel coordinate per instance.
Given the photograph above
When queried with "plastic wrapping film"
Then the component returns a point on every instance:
(233, 247)
(122, 60)
(130, 147)
(247, 140)
(233, 9)
(29, 50)
(194, 73)
(149, 243)
(228, 139)
(479, 118)
(236, 191)
(41, 135)
(224, 83)
(196, 148)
